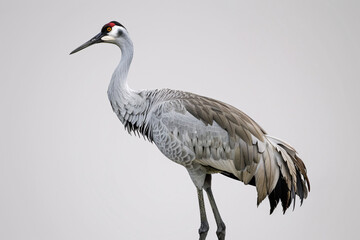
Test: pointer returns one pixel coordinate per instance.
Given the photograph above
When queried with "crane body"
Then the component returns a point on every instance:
(204, 135)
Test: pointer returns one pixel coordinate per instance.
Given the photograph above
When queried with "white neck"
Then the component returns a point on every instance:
(118, 80)
(122, 98)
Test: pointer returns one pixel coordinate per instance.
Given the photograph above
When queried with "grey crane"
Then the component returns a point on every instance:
(205, 136)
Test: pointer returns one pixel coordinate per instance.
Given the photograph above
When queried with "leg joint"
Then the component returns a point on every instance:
(204, 228)
(220, 232)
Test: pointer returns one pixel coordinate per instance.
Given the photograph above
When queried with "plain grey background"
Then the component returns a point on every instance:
(68, 170)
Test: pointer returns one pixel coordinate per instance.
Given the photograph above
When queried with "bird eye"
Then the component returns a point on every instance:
(108, 29)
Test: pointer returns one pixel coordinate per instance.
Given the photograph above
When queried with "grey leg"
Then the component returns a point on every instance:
(220, 232)
(204, 227)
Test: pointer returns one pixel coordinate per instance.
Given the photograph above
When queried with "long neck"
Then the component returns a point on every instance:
(129, 105)
(118, 82)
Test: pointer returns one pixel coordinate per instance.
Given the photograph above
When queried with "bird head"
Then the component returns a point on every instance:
(110, 33)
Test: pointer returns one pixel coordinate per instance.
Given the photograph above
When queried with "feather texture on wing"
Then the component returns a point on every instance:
(189, 128)
(224, 139)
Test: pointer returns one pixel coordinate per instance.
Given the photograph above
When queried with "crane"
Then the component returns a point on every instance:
(204, 135)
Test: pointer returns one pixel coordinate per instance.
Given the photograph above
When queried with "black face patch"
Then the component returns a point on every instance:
(107, 28)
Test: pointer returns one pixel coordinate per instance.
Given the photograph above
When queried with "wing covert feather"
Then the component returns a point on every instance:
(226, 140)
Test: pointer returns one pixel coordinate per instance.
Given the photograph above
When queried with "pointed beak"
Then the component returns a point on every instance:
(96, 39)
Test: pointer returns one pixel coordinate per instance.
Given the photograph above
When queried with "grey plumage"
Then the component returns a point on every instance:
(191, 129)
(205, 136)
